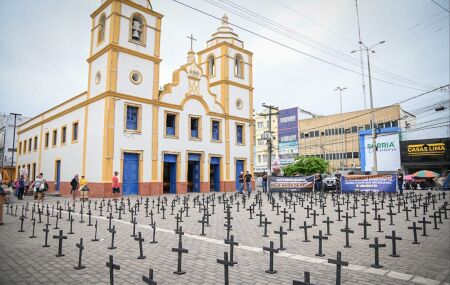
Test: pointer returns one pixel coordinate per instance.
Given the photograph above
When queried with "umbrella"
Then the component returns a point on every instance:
(425, 174)
(409, 178)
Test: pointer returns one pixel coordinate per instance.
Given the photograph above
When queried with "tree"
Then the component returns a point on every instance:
(306, 166)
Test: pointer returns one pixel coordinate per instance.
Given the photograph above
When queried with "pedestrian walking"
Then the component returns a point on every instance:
(115, 185)
(248, 182)
(400, 181)
(241, 182)
(2, 201)
(74, 186)
(20, 187)
(264, 182)
(84, 189)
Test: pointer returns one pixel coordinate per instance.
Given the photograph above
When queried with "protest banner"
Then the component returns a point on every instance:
(367, 183)
(291, 183)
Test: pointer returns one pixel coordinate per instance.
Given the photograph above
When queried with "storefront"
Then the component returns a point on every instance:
(429, 154)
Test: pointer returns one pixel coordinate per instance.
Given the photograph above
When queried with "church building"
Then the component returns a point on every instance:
(194, 135)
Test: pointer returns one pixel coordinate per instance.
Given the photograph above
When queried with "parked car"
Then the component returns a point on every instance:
(330, 183)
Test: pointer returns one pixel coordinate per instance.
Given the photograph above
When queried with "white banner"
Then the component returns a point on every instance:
(388, 152)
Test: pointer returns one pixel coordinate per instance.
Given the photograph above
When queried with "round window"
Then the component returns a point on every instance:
(135, 77)
(239, 104)
(98, 77)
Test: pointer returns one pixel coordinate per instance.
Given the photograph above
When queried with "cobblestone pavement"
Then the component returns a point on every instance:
(23, 260)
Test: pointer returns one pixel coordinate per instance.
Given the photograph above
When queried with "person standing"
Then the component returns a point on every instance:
(248, 182)
(241, 182)
(2, 201)
(318, 182)
(39, 187)
(21, 187)
(74, 186)
(264, 182)
(115, 185)
(84, 190)
(400, 181)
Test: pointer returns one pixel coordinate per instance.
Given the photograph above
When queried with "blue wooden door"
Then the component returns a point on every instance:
(215, 168)
(171, 160)
(130, 183)
(173, 177)
(239, 169)
(58, 175)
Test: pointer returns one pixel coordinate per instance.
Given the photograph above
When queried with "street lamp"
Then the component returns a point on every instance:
(374, 140)
(344, 147)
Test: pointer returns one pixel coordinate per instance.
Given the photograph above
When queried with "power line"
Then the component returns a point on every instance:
(381, 108)
(292, 48)
(294, 35)
(440, 6)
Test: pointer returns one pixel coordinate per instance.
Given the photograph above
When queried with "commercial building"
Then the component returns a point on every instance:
(9, 144)
(336, 138)
(195, 135)
(262, 139)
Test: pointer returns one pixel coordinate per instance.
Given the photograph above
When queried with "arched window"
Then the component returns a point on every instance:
(238, 66)
(211, 65)
(137, 28)
(101, 28)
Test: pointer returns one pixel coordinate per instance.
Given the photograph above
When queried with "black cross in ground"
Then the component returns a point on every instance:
(180, 250)
(339, 263)
(281, 233)
(376, 246)
(140, 239)
(328, 222)
(271, 251)
(394, 239)
(415, 228)
(149, 280)
(305, 229)
(306, 282)
(232, 244)
(112, 267)
(60, 237)
(226, 263)
(81, 247)
(424, 223)
(320, 237)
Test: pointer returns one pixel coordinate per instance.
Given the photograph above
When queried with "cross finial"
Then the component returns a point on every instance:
(192, 40)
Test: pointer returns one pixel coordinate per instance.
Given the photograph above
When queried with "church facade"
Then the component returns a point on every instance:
(194, 135)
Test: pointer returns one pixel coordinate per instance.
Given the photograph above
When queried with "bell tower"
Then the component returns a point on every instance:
(123, 69)
(228, 66)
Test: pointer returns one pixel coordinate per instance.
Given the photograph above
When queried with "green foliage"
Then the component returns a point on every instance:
(306, 166)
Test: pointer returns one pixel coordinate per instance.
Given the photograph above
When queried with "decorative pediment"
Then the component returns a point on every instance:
(191, 77)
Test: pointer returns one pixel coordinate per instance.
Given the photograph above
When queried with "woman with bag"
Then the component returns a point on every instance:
(74, 186)
(84, 189)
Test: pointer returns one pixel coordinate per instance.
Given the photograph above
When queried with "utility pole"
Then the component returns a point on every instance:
(269, 136)
(13, 143)
(361, 57)
(374, 134)
(344, 147)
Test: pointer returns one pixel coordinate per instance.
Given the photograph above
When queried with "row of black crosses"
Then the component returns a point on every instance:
(205, 202)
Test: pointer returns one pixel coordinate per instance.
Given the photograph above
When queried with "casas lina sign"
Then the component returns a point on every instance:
(426, 149)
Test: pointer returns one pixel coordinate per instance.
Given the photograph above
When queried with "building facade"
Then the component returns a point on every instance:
(192, 136)
(262, 138)
(336, 137)
(9, 144)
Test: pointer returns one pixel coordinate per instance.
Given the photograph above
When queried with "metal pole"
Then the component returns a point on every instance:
(374, 134)
(269, 160)
(14, 142)
(361, 57)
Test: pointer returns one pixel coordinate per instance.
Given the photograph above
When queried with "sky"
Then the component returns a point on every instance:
(45, 44)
